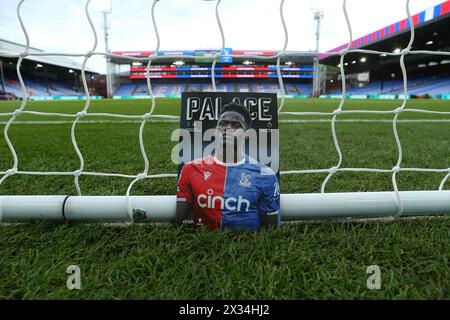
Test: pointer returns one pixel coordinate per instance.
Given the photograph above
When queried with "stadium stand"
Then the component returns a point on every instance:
(43, 76)
(428, 75)
(420, 86)
(174, 90)
(37, 88)
(170, 77)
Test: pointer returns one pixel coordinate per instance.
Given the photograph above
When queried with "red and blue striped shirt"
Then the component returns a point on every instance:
(229, 195)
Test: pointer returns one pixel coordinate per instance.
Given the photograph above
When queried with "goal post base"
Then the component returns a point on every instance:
(162, 208)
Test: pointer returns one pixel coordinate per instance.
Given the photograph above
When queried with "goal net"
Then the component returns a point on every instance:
(393, 202)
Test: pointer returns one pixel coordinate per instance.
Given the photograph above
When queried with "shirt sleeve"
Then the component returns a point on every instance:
(269, 202)
(184, 190)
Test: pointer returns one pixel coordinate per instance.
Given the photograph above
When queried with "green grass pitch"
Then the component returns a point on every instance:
(307, 260)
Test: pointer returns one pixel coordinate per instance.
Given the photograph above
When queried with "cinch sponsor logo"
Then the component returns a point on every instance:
(230, 203)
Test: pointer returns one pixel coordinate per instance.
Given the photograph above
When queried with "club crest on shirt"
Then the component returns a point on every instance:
(245, 180)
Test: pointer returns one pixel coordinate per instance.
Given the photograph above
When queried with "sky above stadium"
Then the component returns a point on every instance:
(61, 26)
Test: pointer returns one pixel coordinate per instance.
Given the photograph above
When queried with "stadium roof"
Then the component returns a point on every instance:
(431, 33)
(8, 48)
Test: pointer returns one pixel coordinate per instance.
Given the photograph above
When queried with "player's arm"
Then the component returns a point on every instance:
(184, 197)
(269, 205)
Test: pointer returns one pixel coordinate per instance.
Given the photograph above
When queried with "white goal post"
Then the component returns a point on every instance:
(162, 208)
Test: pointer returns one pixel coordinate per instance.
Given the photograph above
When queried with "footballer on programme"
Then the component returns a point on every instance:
(229, 189)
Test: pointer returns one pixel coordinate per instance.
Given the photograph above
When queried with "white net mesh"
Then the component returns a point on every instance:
(14, 170)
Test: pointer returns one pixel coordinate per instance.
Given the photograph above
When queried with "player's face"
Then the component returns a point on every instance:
(231, 126)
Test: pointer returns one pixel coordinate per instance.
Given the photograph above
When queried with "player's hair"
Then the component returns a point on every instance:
(239, 108)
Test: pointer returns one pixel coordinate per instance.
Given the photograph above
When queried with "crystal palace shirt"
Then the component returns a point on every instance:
(229, 195)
